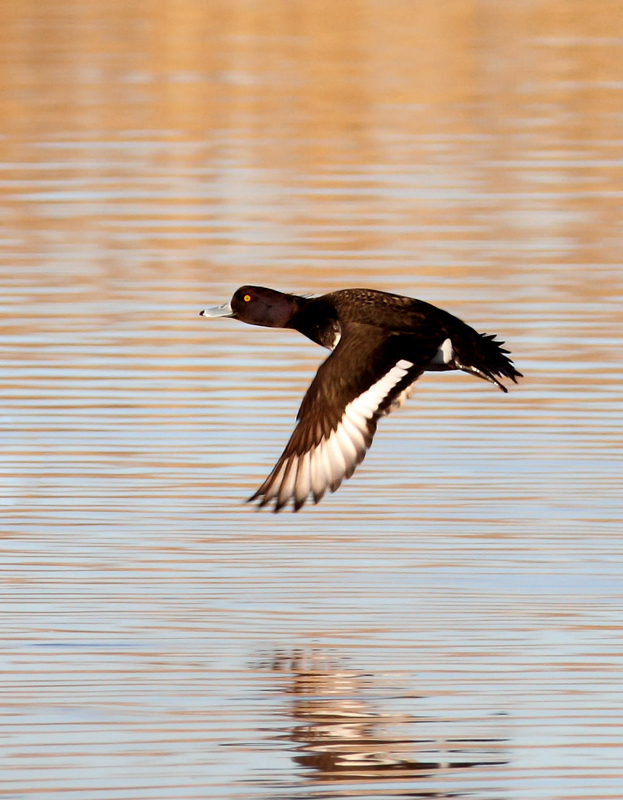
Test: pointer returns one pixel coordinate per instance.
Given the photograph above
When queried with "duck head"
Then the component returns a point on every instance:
(257, 305)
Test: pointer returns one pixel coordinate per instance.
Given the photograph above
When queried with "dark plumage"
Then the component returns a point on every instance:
(381, 344)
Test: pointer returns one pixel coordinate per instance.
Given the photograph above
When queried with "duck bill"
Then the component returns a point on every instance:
(218, 311)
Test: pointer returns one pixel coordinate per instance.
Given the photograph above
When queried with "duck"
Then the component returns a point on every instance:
(380, 344)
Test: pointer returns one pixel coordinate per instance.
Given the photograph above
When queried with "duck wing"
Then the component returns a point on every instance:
(359, 382)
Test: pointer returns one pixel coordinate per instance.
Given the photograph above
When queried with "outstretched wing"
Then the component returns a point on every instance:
(357, 384)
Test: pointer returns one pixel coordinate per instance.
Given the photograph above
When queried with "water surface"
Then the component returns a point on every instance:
(449, 623)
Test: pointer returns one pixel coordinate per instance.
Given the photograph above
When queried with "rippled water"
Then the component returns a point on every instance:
(449, 623)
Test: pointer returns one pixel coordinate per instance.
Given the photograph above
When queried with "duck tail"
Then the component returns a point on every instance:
(482, 355)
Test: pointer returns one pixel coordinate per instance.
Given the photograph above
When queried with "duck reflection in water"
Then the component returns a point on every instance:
(340, 735)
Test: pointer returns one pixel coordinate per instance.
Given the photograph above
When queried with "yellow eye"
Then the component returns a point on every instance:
(247, 298)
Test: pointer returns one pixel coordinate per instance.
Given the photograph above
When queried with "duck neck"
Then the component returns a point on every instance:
(316, 319)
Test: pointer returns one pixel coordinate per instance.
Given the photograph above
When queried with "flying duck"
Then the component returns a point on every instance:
(380, 345)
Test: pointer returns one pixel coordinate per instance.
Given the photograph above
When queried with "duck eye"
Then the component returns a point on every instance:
(247, 298)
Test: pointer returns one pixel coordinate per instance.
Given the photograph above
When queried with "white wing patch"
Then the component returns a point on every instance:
(335, 457)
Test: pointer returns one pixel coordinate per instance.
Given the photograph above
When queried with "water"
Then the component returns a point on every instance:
(448, 624)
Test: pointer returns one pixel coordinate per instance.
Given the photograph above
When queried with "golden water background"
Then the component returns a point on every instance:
(450, 622)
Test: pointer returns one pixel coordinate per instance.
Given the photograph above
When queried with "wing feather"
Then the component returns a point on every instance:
(338, 417)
